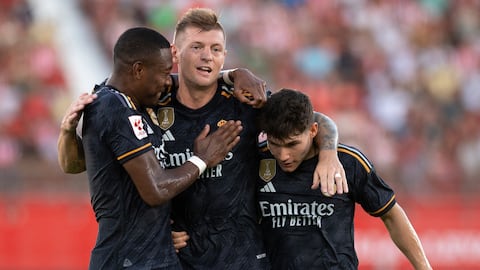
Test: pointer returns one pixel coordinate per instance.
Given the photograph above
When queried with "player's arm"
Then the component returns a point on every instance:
(70, 152)
(157, 185)
(329, 173)
(247, 87)
(405, 238)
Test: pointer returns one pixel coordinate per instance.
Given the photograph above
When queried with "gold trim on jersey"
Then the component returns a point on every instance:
(134, 151)
(128, 100)
(268, 169)
(357, 155)
(226, 94)
(226, 91)
(166, 117)
(383, 208)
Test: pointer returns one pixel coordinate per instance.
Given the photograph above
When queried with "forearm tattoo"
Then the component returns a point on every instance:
(327, 137)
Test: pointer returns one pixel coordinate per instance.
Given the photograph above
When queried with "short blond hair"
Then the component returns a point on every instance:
(203, 18)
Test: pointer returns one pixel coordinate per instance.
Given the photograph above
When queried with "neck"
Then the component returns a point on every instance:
(123, 87)
(312, 152)
(194, 97)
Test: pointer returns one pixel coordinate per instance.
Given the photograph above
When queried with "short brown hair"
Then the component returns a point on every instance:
(204, 18)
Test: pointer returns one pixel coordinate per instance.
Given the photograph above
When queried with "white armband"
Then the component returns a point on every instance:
(201, 165)
(225, 76)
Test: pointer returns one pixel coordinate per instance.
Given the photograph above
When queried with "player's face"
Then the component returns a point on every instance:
(200, 56)
(157, 78)
(291, 152)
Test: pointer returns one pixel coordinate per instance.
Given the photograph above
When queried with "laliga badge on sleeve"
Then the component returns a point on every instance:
(137, 125)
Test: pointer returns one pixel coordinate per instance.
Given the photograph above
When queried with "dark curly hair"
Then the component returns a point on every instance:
(286, 113)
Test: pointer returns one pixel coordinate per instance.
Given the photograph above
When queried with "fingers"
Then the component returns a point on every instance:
(84, 99)
(259, 96)
(257, 102)
(234, 142)
(331, 179)
(317, 180)
(230, 132)
(249, 88)
(239, 94)
(204, 132)
(253, 99)
(75, 110)
(341, 181)
(179, 240)
(213, 148)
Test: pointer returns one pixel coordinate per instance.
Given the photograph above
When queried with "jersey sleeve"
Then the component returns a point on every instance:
(369, 190)
(130, 138)
(123, 129)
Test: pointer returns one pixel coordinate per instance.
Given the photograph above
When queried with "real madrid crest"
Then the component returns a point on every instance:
(166, 117)
(268, 169)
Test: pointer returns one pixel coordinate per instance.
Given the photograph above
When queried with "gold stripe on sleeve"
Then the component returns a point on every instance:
(134, 151)
(360, 159)
(383, 208)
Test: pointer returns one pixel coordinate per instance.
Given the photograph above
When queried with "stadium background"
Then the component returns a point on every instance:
(401, 78)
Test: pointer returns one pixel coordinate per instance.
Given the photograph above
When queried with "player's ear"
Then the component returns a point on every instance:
(174, 53)
(313, 130)
(138, 69)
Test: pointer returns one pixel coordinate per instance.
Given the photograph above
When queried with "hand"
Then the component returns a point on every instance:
(329, 174)
(179, 240)
(74, 112)
(248, 88)
(213, 148)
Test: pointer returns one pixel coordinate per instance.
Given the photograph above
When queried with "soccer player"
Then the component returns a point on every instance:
(130, 189)
(304, 229)
(219, 211)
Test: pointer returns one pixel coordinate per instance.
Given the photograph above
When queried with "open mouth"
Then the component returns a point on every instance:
(204, 69)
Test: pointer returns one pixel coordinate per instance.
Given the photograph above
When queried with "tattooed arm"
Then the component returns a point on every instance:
(329, 164)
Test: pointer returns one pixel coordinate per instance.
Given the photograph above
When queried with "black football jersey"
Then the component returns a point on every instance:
(219, 210)
(131, 233)
(302, 228)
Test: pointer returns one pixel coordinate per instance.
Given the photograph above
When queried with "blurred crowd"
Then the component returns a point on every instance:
(33, 94)
(401, 78)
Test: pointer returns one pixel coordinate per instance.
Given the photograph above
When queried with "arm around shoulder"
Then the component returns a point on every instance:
(329, 173)
(70, 152)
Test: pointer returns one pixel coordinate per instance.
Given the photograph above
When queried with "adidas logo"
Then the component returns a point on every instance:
(168, 136)
(127, 263)
(268, 188)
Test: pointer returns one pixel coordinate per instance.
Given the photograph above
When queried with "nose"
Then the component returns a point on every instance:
(206, 55)
(283, 154)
